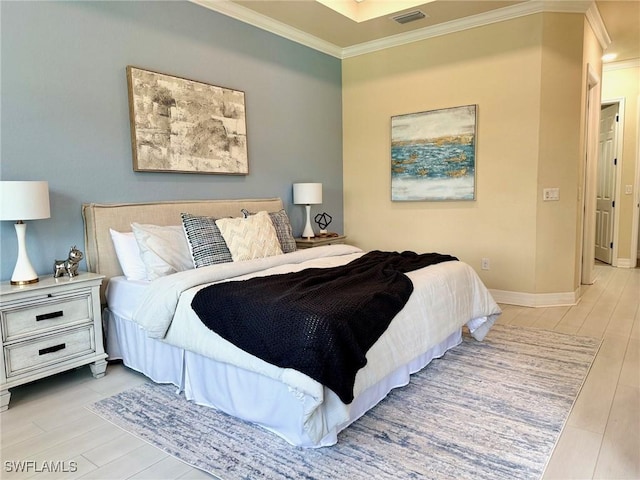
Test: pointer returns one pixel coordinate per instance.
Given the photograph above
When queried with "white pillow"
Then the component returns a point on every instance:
(164, 250)
(128, 255)
(251, 237)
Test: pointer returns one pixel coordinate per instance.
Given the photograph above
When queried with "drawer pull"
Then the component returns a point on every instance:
(48, 316)
(52, 349)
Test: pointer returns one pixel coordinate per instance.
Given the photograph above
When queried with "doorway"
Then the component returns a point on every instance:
(606, 182)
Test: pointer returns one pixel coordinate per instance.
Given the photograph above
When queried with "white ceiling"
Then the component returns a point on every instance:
(314, 24)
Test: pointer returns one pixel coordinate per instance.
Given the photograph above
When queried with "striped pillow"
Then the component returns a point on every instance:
(206, 243)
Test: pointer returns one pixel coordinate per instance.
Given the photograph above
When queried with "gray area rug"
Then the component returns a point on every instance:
(486, 410)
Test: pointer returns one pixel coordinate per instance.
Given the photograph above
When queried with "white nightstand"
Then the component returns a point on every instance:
(319, 241)
(49, 327)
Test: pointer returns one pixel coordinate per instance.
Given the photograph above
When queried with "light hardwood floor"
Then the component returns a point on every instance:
(47, 421)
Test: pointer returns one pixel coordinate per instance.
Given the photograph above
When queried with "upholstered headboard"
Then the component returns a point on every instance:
(98, 218)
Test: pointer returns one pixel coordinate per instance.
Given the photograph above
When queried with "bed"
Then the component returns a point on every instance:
(151, 326)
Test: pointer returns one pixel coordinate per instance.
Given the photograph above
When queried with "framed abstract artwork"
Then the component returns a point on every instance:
(185, 126)
(433, 155)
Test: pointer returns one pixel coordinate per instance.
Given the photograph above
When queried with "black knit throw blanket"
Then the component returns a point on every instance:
(319, 321)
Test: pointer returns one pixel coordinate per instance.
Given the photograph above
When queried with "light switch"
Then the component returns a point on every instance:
(551, 194)
(628, 189)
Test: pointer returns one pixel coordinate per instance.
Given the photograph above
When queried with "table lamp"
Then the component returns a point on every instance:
(23, 201)
(307, 194)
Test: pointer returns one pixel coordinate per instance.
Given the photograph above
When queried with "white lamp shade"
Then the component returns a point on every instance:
(24, 200)
(307, 193)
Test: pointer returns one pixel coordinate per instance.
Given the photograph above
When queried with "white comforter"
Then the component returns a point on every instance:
(446, 296)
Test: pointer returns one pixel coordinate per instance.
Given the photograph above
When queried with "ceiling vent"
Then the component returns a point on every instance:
(409, 17)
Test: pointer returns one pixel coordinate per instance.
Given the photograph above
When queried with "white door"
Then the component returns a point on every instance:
(605, 191)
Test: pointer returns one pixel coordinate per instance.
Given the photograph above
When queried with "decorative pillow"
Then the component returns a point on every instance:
(206, 244)
(128, 255)
(164, 250)
(283, 228)
(251, 237)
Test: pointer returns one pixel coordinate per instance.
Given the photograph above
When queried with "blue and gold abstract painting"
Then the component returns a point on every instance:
(433, 155)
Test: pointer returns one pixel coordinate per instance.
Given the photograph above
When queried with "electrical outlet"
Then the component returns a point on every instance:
(485, 264)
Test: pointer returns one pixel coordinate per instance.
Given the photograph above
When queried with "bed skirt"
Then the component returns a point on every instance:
(245, 394)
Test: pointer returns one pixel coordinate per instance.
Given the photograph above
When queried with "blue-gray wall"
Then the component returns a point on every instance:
(65, 118)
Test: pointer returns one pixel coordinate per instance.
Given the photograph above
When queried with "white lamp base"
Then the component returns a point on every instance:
(308, 231)
(23, 273)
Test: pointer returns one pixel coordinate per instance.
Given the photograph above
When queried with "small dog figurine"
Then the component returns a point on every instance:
(68, 266)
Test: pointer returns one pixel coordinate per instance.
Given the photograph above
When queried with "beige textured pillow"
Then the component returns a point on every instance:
(164, 250)
(251, 237)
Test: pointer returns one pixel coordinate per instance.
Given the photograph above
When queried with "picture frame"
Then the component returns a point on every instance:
(433, 155)
(185, 126)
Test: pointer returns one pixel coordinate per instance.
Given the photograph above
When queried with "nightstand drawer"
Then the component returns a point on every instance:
(25, 356)
(51, 314)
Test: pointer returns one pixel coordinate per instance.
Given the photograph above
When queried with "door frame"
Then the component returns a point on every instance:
(618, 180)
(635, 225)
(592, 122)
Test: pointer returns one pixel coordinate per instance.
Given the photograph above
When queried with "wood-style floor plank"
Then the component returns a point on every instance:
(47, 419)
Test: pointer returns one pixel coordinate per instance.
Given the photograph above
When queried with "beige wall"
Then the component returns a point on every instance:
(559, 151)
(625, 83)
(526, 77)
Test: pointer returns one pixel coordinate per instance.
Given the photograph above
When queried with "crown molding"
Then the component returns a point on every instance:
(597, 25)
(246, 15)
(488, 18)
(494, 16)
(634, 63)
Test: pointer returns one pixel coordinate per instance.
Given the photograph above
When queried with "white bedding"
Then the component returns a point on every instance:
(446, 297)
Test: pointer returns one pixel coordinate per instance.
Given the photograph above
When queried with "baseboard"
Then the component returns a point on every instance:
(536, 299)
(625, 263)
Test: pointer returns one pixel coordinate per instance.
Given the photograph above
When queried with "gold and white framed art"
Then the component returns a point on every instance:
(433, 155)
(186, 126)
